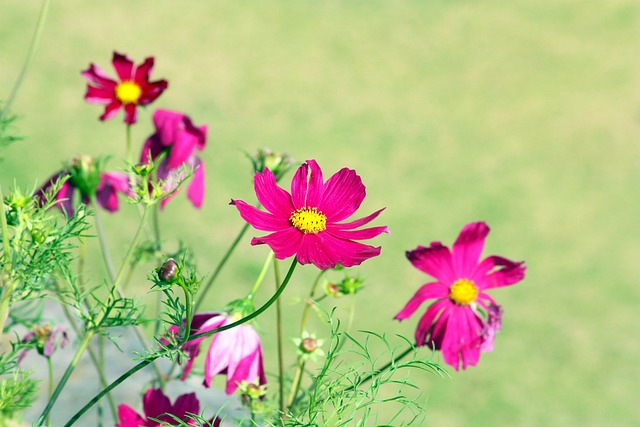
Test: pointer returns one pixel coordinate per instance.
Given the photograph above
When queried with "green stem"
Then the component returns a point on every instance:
(6, 246)
(297, 377)
(155, 356)
(29, 59)
(94, 360)
(221, 264)
(380, 370)
(104, 247)
(280, 341)
(65, 377)
(260, 278)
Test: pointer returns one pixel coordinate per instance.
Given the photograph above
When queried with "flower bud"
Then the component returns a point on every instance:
(309, 345)
(168, 272)
(278, 163)
(38, 235)
(85, 174)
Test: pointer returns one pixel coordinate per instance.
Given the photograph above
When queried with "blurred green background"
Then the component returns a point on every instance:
(525, 114)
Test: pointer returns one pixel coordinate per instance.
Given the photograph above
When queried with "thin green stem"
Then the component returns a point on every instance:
(93, 357)
(219, 267)
(65, 377)
(308, 303)
(280, 341)
(50, 370)
(155, 356)
(104, 247)
(297, 379)
(29, 59)
(260, 278)
(380, 370)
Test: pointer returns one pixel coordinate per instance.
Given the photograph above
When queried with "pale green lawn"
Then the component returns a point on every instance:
(524, 114)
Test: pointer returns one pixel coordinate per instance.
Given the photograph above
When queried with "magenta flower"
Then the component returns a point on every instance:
(463, 320)
(111, 183)
(180, 139)
(306, 222)
(158, 406)
(236, 352)
(132, 89)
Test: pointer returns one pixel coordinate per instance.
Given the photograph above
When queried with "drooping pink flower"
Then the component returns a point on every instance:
(236, 352)
(45, 339)
(463, 320)
(306, 222)
(111, 183)
(133, 87)
(157, 406)
(180, 139)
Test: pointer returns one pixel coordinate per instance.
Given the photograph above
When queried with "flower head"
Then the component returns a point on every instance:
(180, 139)
(236, 351)
(463, 320)
(45, 339)
(133, 87)
(157, 406)
(306, 222)
(106, 192)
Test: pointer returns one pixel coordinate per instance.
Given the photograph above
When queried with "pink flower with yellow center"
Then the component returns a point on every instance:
(463, 320)
(306, 222)
(132, 89)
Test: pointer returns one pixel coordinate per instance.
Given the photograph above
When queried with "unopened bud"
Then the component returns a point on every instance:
(309, 345)
(169, 270)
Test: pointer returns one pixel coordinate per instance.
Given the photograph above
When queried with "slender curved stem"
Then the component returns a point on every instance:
(221, 264)
(155, 356)
(30, 54)
(260, 278)
(280, 341)
(104, 247)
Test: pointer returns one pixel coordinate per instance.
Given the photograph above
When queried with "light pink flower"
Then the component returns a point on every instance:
(156, 405)
(45, 339)
(111, 183)
(463, 320)
(236, 352)
(133, 87)
(181, 140)
(306, 222)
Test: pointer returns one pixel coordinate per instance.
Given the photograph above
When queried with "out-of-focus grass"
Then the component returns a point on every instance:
(524, 114)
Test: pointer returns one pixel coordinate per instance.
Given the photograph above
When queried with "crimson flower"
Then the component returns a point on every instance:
(306, 222)
(158, 406)
(236, 352)
(463, 320)
(133, 87)
(110, 184)
(180, 139)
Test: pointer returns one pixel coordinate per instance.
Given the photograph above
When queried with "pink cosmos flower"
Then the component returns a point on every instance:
(180, 139)
(306, 222)
(236, 351)
(156, 405)
(46, 340)
(463, 320)
(111, 183)
(133, 87)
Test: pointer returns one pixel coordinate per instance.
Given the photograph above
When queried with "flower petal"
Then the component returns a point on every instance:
(435, 261)
(99, 95)
(358, 222)
(342, 195)
(111, 110)
(123, 65)
(284, 243)
(185, 404)
(427, 291)
(195, 191)
(431, 323)
(127, 417)
(99, 78)
(326, 251)
(259, 219)
(468, 247)
(364, 234)
(155, 403)
(509, 272)
(275, 199)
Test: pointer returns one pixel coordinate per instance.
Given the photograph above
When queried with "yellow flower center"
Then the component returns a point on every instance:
(308, 220)
(128, 92)
(463, 292)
